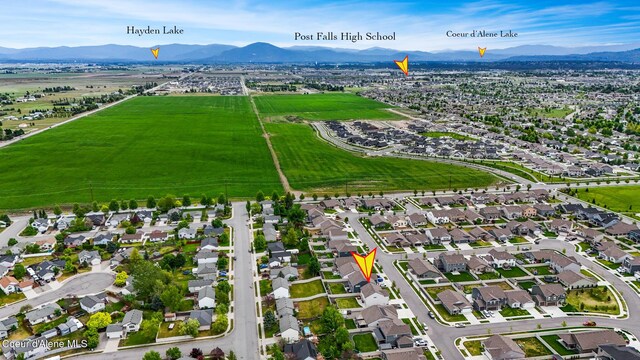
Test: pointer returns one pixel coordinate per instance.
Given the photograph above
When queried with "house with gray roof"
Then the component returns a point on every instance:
(43, 314)
(499, 347)
(204, 317)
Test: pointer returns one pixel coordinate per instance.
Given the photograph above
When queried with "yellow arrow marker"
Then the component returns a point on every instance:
(403, 65)
(155, 52)
(481, 50)
(365, 263)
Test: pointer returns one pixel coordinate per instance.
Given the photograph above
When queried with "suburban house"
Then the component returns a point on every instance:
(573, 280)
(74, 241)
(417, 219)
(301, 350)
(93, 303)
(204, 317)
(132, 320)
(499, 347)
(43, 314)
(452, 262)
(423, 269)
(197, 284)
(614, 254)
(559, 226)
(519, 299)
(157, 236)
(289, 328)
(131, 238)
(393, 333)
(372, 294)
(438, 235)
(372, 315)
(458, 236)
(341, 248)
(287, 272)
(560, 263)
(488, 298)
(615, 352)
(103, 239)
(284, 306)
(115, 331)
(30, 349)
(280, 288)
(478, 265)
(590, 340)
(209, 243)
(632, 265)
(454, 302)
(206, 298)
(7, 325)
(403, 354)
(91, 258)
(9, 284)
(548, 294)
(501, 234)
(206, 257)
(502, 259)
(187, 233)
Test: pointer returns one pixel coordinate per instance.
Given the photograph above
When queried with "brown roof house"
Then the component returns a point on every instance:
(573, 280)
(488, 298)
(499, 347)
(423, 269)
(589, 341)
(519, 299)
(548, 294)
(454, 302)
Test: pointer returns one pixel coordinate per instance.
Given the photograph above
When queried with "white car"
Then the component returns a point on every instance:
(420, 341)
(459, 325)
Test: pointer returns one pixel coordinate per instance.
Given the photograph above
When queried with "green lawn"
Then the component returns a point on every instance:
(265, 287)
(518, 240)
(479, 243)
(11, 298)
(365, 342)
(609, 264)
(526, 285)
(509, 312)
(448, 317)
(488, 275)
(311, 308)
(337, 288)
(323, 107)
(552, 340)
(439, 134)
(474, 347)
(461, 277)
(513, 272)
(350, 324)
(532, 347)
(329, 275)
(617, 198)
(145, 146)
(599, 299)
(435, 290)
(306, 289)
(541, 270)
(347, 303)
(298, 149)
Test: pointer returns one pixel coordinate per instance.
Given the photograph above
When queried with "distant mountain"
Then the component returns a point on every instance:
(261, 52)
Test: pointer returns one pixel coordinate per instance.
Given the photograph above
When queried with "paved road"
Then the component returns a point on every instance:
(83, 284)
(444, 336)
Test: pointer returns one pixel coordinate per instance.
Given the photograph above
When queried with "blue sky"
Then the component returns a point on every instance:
(419, 25)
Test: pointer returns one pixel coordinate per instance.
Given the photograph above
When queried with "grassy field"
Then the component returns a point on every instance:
(365, 342)
(599, 300)
(145, 146)
(323, 107)
(311, 164)
(306, 289)
(550, 113)
(311, 308)
(347, 303)
(532, 347)
(474, 347)
(552, 340)
(623, 199)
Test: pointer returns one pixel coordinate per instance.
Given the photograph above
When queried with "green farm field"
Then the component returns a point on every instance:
(311, 164)
(623, 199)
(323, 107)
(145, 146)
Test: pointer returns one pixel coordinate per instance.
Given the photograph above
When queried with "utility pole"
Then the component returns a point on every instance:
(91, 190)
(226, 192)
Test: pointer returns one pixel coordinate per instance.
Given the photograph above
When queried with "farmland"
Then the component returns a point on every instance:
(145, 146)
(323, 107)
(617, 198)
(310, 164)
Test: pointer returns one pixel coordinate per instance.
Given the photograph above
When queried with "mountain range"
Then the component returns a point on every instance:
(266, 53)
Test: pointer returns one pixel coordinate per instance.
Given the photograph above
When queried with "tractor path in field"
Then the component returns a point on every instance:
(274, 156)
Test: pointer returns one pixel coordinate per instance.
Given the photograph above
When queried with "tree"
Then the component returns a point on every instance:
(275, 196)
(195, 353)
(19, 271)
(217, 223)
(173, 353)
(260, 243)
(113, 205)
(99, 320)
(152, 355)
(276, 353)
(314, 266)
(189, 327)
(151, 202)
(260, 196)
(93, 339)
(220, 325)
(171, 297)
(290, 239)
(223, 262)
(331, 320)
(148, 280)
(232, 355)
(12, 242)
(222, 200)
(104, 209)
(314, 196)
(95, 207)
(57, 210)
(121, 279)
(133, 204)
(270, 320)
(149, 328)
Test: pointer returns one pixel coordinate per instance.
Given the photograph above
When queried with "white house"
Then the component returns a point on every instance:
(9, 284)
(93, 303)
(206, 298)
(131, 321)
(280, 288)
(115, 331)
(187, 233)
(90, 257)
(373, 294)
(437, 218)
(289, 329)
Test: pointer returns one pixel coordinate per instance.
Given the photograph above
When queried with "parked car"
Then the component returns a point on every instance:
(589, 323)
(420, 341)
(432, 315)
(459, 325)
